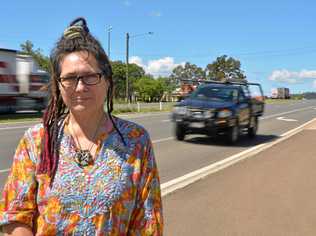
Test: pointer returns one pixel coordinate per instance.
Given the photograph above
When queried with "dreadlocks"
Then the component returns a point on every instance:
(75, 38)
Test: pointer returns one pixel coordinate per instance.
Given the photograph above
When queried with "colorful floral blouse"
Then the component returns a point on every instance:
(118, 195)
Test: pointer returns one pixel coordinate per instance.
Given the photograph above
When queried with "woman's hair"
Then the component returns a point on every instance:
(75, 38)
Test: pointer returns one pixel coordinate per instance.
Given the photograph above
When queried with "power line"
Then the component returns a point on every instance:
(276, 53)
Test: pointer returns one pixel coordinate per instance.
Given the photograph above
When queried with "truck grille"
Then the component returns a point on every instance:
(200, 113)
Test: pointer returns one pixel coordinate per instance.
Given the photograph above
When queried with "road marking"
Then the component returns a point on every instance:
(154, 141)
(285, 119)
(287, 112)
(21, 122)
(135, 116)
(162, 140)
(166, 120)
(190, 178)
(15, 127)
(297, 129)
(162, 113)
(4, 171)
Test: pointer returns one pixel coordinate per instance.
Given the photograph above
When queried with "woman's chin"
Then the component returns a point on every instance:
(84, 107)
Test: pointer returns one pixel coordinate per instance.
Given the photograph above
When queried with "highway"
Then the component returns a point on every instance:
(176, 158)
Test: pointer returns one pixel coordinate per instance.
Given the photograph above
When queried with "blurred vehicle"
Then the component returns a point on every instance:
(23, 86)
(280, 93)
(220, 108)
(186, 89)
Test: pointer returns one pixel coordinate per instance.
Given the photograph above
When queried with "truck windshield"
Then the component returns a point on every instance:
(216, 93)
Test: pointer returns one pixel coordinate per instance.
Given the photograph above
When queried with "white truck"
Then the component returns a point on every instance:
(280, 93)
(22, 83)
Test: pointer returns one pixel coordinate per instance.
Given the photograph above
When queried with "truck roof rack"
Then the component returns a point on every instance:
(227, 81)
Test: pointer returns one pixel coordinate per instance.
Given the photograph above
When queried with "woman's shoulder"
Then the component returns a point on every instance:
(31, 141)
(34, 132)
(131, 129)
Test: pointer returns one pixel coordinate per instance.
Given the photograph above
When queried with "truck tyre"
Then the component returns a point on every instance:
(232, 134)
(253, 127)
(180, 132)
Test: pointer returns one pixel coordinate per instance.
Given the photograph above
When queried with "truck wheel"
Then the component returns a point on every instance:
(252, 130)
(180, 132)
(232, 134)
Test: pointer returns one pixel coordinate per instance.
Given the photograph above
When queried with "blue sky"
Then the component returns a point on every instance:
(274, 40)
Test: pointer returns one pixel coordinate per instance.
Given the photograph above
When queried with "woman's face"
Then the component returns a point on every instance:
(80, 96)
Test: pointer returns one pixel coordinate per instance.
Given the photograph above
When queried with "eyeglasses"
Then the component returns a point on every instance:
(88, 79)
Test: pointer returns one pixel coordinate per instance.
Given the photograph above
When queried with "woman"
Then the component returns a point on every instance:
(82, 171)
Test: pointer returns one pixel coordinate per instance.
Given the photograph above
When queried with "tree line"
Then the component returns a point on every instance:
(144, 86)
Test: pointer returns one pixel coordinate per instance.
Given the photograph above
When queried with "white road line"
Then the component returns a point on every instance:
(287, 112)
(261, 118)
(185, 180)
(285, 119)
(21, 122)
(297, 129)
(162, 140)
(4, 171)
(154, 141)
(15, 127)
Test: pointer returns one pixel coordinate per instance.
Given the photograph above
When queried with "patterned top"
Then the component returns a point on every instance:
(118, 195)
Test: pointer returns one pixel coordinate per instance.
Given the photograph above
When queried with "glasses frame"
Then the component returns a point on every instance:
(81, 77)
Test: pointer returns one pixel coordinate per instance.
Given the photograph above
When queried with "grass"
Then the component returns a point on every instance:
(278, 101)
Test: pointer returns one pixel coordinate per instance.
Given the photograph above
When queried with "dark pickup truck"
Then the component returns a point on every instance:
(216, 108)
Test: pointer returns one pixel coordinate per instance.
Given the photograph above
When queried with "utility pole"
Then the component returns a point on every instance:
(127, 56)
(109, 41)
(127, 52)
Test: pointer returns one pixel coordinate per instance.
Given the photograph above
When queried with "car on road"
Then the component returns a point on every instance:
(220, 108)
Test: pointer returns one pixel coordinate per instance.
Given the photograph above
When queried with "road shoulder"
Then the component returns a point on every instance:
(270, 194)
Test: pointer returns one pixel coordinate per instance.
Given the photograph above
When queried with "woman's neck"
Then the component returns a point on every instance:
(86, 125)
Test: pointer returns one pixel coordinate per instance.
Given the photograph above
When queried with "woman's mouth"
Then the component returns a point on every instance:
(80, 99)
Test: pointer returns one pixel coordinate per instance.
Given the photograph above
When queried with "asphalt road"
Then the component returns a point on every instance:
(176, 158)
(271, 193)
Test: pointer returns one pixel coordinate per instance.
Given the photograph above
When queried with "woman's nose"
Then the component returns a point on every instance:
(80, 85)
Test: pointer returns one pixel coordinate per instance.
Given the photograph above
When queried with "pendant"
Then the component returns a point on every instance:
(83, 158)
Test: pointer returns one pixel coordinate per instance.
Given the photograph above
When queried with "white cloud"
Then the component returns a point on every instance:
(136, 60)
(159, 67)
(292, 76)
(314, 84)
(155, 14)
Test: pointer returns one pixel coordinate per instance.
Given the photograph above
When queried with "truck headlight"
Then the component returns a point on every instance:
(224, 113)
(180, 110)
(208, 114)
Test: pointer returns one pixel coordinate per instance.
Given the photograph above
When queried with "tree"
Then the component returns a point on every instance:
(149, 89)
(119, 77)
(188, 71)
(167, 84)
(42, 60)
(225, 68)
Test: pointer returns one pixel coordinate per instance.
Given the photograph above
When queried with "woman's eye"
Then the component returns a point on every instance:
(70, 78)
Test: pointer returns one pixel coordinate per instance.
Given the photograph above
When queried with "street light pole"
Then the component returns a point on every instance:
(127, 56)
(127, 82)
(109, 41)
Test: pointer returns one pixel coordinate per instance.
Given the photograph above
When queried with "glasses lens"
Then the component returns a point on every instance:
(68, 81)
(91, 79)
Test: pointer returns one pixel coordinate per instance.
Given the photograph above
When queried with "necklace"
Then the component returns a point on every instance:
(84, 157)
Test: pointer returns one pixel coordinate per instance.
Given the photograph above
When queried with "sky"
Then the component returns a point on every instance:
(275, 40)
